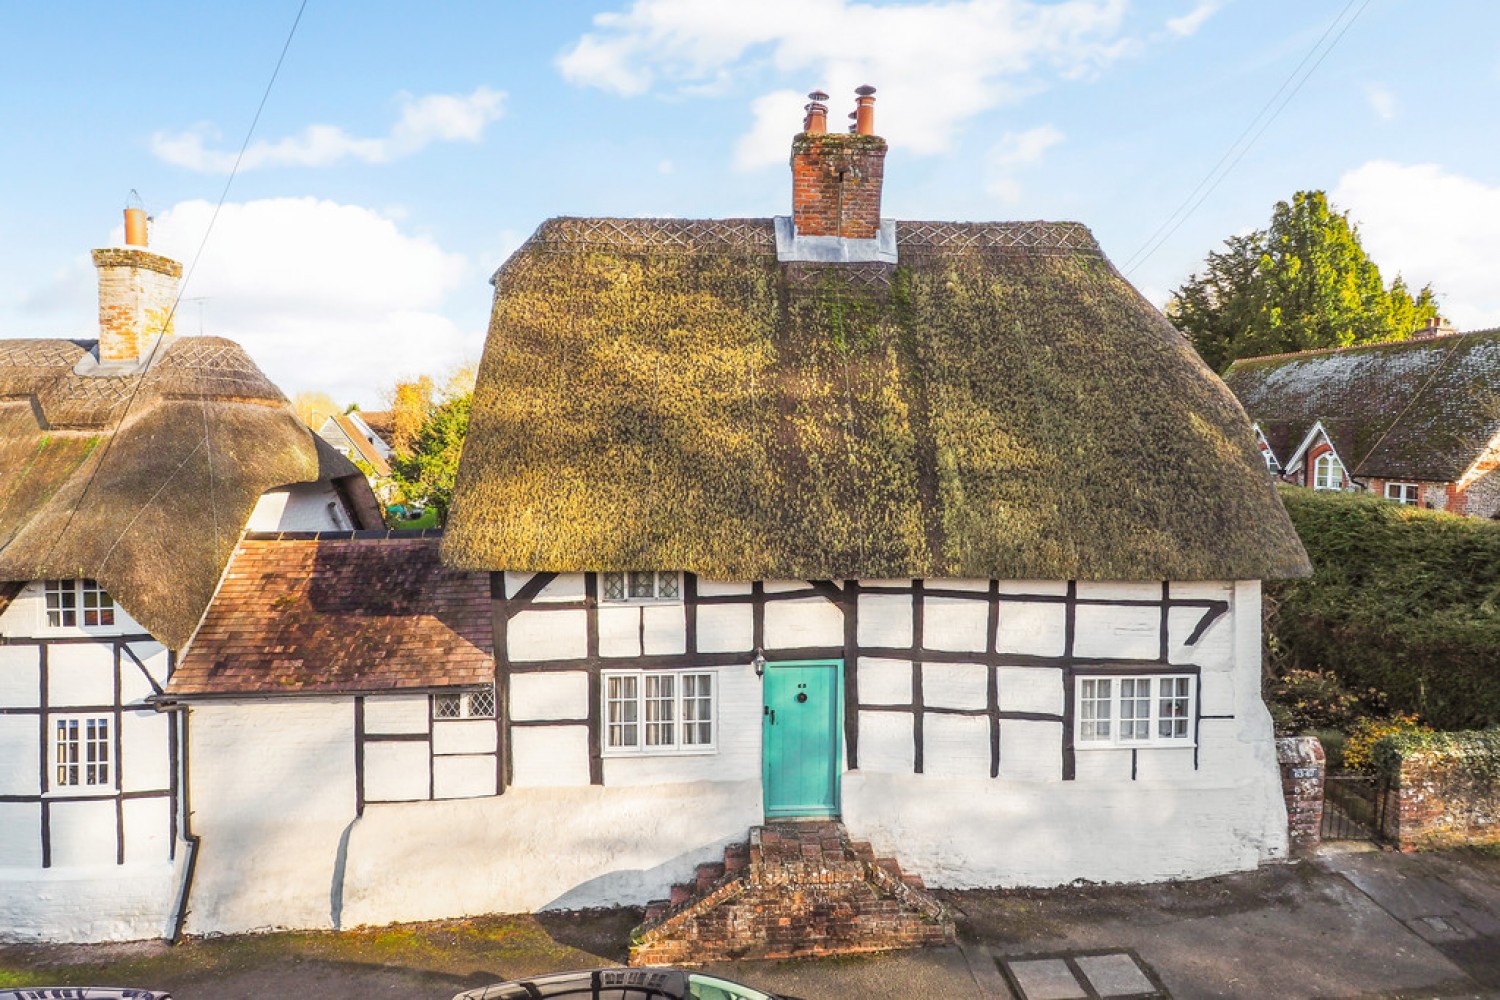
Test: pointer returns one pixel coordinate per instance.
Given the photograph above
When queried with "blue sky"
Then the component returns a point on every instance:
(406, 149)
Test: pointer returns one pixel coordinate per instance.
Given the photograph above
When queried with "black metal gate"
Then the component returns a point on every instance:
(1354, 806)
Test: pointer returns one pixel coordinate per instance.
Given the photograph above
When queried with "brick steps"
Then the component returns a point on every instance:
(796, 889)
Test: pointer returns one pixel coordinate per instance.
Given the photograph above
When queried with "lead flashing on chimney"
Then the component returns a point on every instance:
(89, 366)
(835, 249)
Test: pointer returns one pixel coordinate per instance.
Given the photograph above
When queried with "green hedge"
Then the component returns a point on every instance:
(1478, 751)
(1401, 599)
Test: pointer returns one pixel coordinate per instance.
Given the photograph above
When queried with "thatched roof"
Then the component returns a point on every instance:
(1420, 409)
(339, 614)
(663, 394)
(141, 481)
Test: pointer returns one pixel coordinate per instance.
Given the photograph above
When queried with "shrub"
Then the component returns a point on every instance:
(1359, 748)
(1402, 599)
(1303, 700)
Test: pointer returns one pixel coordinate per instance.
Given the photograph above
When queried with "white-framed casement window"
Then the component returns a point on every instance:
(640, 585)
(1407, 493)
(1328, 472)
(659, 711)
(465, 705)
(71, 603)
(81, 750)
(1132, 711)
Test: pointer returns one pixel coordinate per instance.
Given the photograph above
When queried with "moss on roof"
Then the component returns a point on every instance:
(141, 481)
(1416, 409)
(1001, 404)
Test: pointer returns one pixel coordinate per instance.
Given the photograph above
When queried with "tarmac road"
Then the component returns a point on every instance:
(1363, 925)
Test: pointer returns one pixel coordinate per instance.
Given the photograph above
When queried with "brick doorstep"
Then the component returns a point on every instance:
(796, 890)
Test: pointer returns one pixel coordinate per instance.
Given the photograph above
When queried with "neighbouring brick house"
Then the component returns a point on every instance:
(129, 464)
(1416, 421)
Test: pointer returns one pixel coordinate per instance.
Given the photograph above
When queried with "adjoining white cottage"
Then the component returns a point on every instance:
(128, 467)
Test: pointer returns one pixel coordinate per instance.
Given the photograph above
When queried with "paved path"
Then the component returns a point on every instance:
(1346, 925)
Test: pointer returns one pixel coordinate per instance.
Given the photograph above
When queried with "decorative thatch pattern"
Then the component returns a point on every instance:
(146, 495)
(316, 616)
(1004, 405)
(1415, 409)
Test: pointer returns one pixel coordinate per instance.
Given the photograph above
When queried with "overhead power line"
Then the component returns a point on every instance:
(1253, 131)
(167, 322)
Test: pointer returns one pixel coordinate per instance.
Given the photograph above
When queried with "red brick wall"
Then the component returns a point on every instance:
(1302, 771)
(1443, 801)
(836, 181)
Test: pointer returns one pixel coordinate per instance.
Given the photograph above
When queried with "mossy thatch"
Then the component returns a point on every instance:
(1422, 409)
(142, 482)
(1000, 404)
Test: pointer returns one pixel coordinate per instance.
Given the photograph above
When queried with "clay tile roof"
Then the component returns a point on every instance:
(999, 403)
(318, 615)
(1422, 409)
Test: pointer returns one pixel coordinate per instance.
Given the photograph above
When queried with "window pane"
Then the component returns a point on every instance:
(62, 603)
(447, 706)
(66, 748)
(614, 586)
(660, 718)
(98, 606)
(697, 709)
(1174, 708)
(643, 584)
(667, 586)
(1094, 709)
(1135, 708)
(622, 711)
(482, 704)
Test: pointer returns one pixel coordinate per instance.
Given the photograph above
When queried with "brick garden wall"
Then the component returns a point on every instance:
(1448, 795)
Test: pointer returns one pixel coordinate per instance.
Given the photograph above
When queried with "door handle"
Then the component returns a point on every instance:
(773, 716)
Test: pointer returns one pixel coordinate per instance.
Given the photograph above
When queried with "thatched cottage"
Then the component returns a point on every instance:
(1415, 421)
(939, 529)
(131, 463)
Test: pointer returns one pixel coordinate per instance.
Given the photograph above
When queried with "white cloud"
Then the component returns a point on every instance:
(937, 64)
(1382, 101)
(423, 120)
(1014, 152)
(1430, 226)
(323, 296)
(1189, 23)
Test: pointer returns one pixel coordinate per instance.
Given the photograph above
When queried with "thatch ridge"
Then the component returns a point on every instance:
(144, 481)
(1000, 404)
(1422, 409)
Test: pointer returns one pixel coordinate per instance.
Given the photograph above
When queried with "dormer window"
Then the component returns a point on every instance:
(641, 585)
(71, 603)
(1328, 472)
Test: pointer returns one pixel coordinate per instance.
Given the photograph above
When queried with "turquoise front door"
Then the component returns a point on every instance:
(800, 738)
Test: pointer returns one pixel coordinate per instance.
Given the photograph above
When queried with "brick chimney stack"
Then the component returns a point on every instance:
(836, 176)
(137, 290)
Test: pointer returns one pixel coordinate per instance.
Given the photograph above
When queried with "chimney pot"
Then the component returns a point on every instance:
(135, 227)
(816, 119)
(864, 110)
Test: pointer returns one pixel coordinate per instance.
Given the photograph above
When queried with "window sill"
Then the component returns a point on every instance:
(697, 751)
(1142, 745)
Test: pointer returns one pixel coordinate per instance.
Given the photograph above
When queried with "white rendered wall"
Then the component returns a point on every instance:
(1029, 827)
(272, 793)
(301, 507)
(539, 848)
(79, 905)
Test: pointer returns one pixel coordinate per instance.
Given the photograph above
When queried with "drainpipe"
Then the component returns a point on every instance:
(190, 866)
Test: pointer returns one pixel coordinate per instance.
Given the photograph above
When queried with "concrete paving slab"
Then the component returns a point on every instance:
(1046, 979)
(1115, 975)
